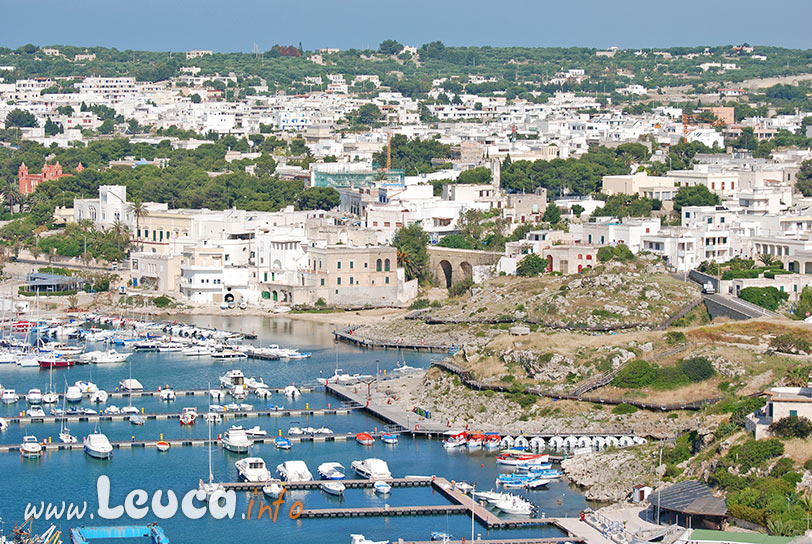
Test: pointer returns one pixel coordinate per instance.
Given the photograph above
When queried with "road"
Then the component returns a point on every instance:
(745, 310)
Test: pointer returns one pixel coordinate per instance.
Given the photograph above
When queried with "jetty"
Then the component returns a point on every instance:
(348, 335)
(316, 484)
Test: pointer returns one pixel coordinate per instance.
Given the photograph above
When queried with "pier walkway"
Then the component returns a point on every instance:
(348, 335)
(316, 484)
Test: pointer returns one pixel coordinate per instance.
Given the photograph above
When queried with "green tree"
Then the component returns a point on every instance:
(411, 242)
(478, 175)
(698, 195)
(107, 127)
(577, 210)
(196, 98)
(531, 265)
(20, 118)
(552, 214)
(319, 198)
(390, 47)
(455, 241)
(803, 179)
(51, 128)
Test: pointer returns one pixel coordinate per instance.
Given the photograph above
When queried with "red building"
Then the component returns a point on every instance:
(29, 182)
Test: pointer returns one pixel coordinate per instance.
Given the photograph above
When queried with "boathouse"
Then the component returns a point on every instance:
(50, 283)
(690, 504)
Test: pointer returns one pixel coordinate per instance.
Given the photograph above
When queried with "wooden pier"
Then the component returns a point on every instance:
(347, 335)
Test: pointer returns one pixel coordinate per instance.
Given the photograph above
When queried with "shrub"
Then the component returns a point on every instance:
(624, 409)
(789, 343)
(673, 338)
(436, 304)
(461, 287)
(620, 252)
(792, 427)
(637, 373)
(320, 303)
(753, 452)
(418, 304)
(766, 297)
(161, 301)
(697, 369)
(531, 265)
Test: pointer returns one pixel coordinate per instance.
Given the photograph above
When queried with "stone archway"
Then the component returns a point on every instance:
(549, 263)
(466, 269)
(448, 272)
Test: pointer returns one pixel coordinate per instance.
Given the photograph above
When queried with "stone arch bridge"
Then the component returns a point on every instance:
(448, 266)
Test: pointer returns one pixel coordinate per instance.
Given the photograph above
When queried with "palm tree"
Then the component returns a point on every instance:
(798, 376)
(120, 234)
(138, 210)
(73, 302)
(806, 504)
(767, 260)
(12, 195)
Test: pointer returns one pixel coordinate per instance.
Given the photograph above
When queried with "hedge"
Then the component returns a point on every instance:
(25, 293)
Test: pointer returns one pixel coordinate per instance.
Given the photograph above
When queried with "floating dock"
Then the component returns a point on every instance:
(84, 535)
(316, 484)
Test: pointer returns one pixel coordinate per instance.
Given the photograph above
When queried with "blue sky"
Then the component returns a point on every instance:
(236, 25)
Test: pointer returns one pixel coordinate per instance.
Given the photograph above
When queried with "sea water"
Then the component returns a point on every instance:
(71, 476)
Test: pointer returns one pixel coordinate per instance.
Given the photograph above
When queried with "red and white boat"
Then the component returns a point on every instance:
(475, 441)
(188, 416)
(514, 459)
(51, 360)
(22, 326)
(456, 439)
(365, 439)
(491, 442)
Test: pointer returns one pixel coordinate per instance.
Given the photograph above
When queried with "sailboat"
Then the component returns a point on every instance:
(64, 433)
(50, 397)
(130, 409)
(211, 487)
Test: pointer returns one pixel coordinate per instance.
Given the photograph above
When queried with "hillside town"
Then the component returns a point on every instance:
(617, 280)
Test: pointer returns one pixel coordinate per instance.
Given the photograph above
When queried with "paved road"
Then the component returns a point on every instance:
(737, 305)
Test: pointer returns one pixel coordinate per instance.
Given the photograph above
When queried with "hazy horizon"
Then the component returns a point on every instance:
(182, 25)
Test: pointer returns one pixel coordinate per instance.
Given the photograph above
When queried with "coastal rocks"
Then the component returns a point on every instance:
(548, 366)
(608, 476)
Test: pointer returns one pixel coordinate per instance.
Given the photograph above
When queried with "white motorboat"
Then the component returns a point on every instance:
(262, 393)
(515, 506)
(196, 351)
(87, 388)
(9, 396)
(136, 419)
(228, 354)
(235, 440)
(99, 396)
(103, 357)
(73, 394)
(30, 447)
(98, 446)
(253, 469)
(382, 488)
(212, 417)
(323, 430)
(274, 490)
(372, 469)
(88, 412)
(28, 361)
(188, 416)
(340, 377)
(294, 471)
(112, 410)
(292, 391)
(295, 431)
(35, 411)
(331, 471)
(170, 347)
(50, 398)
(361, 539)
(333, 488)
(167, 395)
(66, 438)
(34, 396)
(254, 383)
(232, 377)
(129, 410)
(3, 424)
(217, 394)
(255, 433)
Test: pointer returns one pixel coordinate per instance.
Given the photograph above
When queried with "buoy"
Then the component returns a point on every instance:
(307, 406)
(162, 436)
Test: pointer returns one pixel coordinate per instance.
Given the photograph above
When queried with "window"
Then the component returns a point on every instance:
(793, 413)
(352, 282)
(338, 281)
(352, 265)
(386, 223)
(378, 265)
(366, 265)
(387, 279)
(322, 282)
(710, 220)
(266, 276)
(338, 265)
(386, 265)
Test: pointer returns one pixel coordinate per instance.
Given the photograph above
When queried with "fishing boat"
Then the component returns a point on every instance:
(253, 469)
(281, 443)
(388, 438)
(456, 439)
(382, 488)
(98, 446)
(236, 441)
(294, 471)
(372, 469)
(162, 445)
(331, 471)
(517, 458)
(188, 416)
(30, 447)
(365, 439)
(333, 488)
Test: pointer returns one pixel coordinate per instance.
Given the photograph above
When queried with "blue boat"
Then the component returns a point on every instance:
(84, 535)
(282, 443)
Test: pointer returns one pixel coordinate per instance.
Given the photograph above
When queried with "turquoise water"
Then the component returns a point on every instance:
(71, 476)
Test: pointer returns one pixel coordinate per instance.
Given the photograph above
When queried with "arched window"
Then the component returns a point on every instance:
(386, 265)
(378, 265)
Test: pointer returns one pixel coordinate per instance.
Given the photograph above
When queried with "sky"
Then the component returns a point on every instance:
(236, 25)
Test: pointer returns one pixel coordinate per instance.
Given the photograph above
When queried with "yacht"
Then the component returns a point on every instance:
(34, 396)
(331, 471)
(372, 469)
(73, 394)
(229, 354)
(97, 445)
(255, 433)
(99, 396)
(274, 490)
(232, 377)
(9, 396)
(235, 440)
(35, 411)
(30, 447)
(196, 351)
(294, 471)
(253, 469)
